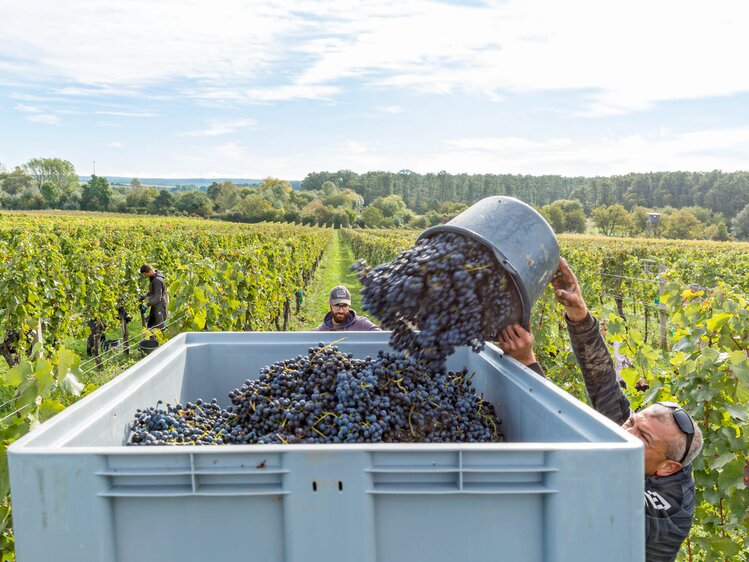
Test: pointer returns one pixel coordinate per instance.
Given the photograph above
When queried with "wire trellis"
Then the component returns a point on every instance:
(122, 349)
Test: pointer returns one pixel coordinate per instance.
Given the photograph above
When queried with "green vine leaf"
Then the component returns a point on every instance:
(738, 412)
(19, 373)
(49, 408)
(200, 318)
(721, 460)
(44, 377)
(71, 385)
(718, 321)
(725, 547)
(630, 376)
(67, 362)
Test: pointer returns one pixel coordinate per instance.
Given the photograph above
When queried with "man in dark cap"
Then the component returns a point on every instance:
(341, 317)
(156, 297)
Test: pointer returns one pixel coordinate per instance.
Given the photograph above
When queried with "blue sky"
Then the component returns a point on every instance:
(253, 89)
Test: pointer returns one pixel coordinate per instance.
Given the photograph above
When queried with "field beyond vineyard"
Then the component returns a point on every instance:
(678, 311)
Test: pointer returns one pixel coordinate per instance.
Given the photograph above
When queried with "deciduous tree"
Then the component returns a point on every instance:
(195, 203)
(611, 219)
(164, 203)
(682, 224)
(16, 181)
(55, 171)
(741, 224)
(97, 194)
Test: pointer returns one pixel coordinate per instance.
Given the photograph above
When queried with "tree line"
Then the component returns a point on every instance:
(721, 192)
(713, 205)
(52, 183)
(693, 223)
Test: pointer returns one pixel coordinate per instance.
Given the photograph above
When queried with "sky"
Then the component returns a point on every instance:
(251, 89)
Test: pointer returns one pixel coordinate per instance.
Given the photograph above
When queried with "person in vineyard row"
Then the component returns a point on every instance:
(341, 317)
(670, 437)
(156, 297)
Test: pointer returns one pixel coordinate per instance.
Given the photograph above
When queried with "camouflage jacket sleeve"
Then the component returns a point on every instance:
(598, 369)
(536, 368)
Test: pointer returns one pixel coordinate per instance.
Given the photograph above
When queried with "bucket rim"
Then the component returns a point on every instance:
(148, 346)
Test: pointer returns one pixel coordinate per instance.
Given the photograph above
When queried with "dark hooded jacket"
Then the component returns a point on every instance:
(158, 300)
(352, 323)
(157, 291)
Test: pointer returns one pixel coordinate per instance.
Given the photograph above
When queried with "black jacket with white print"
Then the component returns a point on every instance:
(669, 500)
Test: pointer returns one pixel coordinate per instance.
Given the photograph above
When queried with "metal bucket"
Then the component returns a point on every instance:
(147, 346)
(518, 237)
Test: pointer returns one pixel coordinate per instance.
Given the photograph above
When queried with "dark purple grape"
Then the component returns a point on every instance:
(327, 396)
(444, 292)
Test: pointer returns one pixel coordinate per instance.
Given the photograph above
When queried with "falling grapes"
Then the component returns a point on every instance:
(443, 293)
(328, 396)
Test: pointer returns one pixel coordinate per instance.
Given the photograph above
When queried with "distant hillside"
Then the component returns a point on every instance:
(174, 182)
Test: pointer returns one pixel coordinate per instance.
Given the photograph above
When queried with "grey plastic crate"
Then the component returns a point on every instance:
(566, 486)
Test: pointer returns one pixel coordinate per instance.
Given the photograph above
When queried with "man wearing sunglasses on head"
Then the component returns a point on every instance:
(670, 437)
(341, 317)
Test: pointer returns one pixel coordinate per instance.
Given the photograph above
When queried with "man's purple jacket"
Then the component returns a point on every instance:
(352, 323)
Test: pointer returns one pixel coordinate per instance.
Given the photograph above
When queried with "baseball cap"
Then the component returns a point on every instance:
(340, 295)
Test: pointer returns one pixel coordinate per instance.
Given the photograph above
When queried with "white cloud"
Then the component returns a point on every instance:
(116, 144)
(502, 144)
(220, 128)
(666, 151)
(625, 57)
(289, 92)
(25, 97)
(44, 118)
(233, 151)
(232, 159)
(391, 109)
(127, 113)
(262, 95)
(22, 107)
(356, 147)
(698, 150)
(94, 91)
(352, 154)
(156, 41)
(172, 60)
(242, 160)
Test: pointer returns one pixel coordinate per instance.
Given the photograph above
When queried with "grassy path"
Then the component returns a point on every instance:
(334, 269)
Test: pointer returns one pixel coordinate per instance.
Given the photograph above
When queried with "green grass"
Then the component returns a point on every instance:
(334, 269)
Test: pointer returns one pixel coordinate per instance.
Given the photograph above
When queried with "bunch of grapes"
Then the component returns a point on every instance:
(327, 396)
(192, 424)
(443, 293)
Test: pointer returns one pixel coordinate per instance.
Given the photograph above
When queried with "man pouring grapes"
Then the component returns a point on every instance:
(341, 317)
(670, 437)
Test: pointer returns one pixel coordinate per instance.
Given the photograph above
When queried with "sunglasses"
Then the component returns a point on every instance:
(684, 422)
